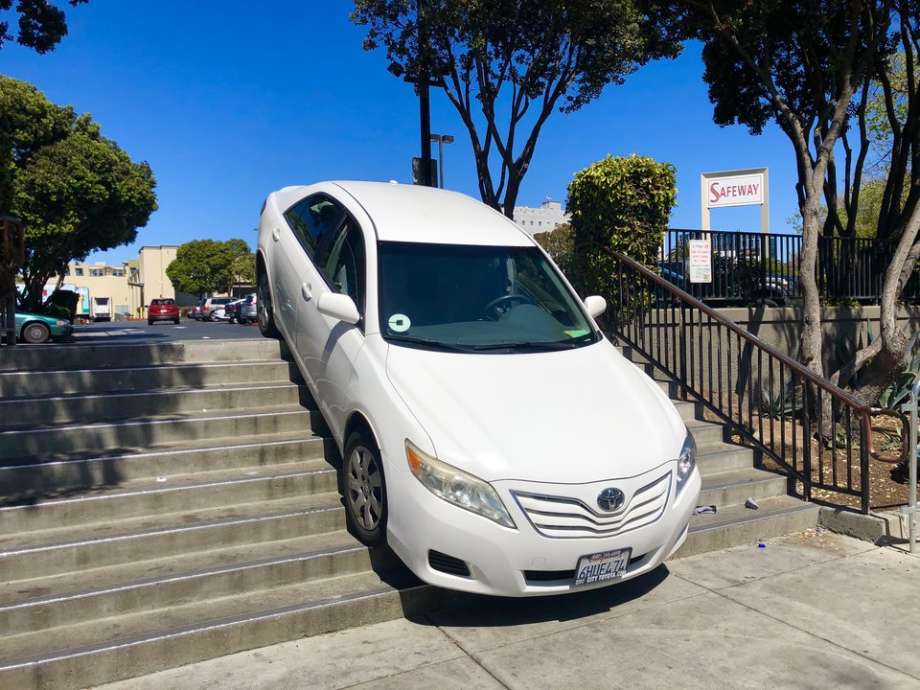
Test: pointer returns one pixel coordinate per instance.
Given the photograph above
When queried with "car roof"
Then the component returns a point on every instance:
(414, 213)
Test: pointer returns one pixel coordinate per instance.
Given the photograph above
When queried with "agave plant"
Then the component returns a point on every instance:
(779, 405)
(898, 392)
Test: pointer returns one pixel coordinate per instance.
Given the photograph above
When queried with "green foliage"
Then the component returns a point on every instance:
(41, 24)
(558, 244)
(898, 392)
(779, 405)
(76, 191)
(618, 204)
(244, 269)
(206, 266)
(515, 62)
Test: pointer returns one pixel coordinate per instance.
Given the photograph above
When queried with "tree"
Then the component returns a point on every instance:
(808, 66)
(506, 66)
(42, 24)
(76, 191)
(205, 266)
(244, 269)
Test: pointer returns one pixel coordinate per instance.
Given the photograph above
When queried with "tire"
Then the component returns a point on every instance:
(149, 322)
(266, 314)
(364, 487)
(176, 322)
(35, 333)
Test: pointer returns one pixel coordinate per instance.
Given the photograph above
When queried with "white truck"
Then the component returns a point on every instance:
(102, 309)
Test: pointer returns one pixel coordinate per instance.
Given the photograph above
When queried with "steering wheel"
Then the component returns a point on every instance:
(524, 299)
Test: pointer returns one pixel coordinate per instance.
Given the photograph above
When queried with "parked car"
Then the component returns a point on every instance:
(248, 310)
(195, 313)
(232, 310)
(214, 308)
(35, 328)
(162, 309)
(491, 434)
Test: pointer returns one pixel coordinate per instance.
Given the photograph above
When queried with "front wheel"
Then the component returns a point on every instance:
(264, 312)
(365, 490)
(36, 333)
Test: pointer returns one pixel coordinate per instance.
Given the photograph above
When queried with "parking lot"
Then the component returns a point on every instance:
(140, 332)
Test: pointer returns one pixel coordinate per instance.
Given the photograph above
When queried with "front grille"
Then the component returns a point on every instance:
(567, 517)
(448, 564)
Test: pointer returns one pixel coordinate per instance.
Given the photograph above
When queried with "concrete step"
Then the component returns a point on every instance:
(737, 525)
(125, 646)
(171, 494)
(29, 555)
(706, 433)
(31, 412)
(45, 442)
(724, 457)
(732, 488)
(98, 356)
(161, 584)
(30, 479)
(96, 381)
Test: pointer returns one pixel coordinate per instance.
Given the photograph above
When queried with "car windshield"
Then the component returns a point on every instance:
(475, 298)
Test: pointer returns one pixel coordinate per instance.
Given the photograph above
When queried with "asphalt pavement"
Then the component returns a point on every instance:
(132, 332)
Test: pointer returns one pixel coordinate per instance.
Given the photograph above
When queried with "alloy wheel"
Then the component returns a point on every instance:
(365, 488)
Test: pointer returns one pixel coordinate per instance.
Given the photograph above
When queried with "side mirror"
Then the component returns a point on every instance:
(338, 306)
(596, 305)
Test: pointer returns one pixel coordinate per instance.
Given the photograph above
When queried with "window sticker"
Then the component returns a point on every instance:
(399, 323)
(577, 332)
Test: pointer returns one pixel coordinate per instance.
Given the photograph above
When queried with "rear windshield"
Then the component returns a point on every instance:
(163, 301)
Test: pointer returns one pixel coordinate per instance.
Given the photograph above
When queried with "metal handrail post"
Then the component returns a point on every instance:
(911, 508)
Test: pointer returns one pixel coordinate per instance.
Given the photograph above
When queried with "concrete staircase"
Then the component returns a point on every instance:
(164, 504)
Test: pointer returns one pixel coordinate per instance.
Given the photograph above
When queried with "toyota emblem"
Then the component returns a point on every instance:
(611, 499)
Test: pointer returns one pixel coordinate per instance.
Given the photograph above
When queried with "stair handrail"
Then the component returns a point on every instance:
(840, 408)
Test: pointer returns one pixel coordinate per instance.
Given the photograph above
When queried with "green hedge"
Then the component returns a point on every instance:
(618, 204)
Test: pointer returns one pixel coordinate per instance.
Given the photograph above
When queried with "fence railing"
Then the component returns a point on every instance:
(750, 267)
(819, 434)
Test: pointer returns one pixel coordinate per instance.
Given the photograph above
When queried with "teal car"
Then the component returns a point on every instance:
(35, 328)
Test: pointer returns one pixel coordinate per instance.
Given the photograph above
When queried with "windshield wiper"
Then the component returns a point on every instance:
(428, 342)
(527, 345)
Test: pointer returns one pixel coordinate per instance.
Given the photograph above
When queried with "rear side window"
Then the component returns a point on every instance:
(314, 222)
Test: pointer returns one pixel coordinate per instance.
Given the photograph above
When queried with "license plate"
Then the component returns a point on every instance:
(598, 567)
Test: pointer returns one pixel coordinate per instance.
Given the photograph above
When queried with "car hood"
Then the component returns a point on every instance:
(571, 416)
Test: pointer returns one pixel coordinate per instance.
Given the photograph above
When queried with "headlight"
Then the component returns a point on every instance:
(686, 461)
(457, 487)
(62, 323)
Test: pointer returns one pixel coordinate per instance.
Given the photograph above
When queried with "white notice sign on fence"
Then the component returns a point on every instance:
(700, 261)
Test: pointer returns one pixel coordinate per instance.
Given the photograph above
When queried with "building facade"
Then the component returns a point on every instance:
(548, 216)
(126, 288)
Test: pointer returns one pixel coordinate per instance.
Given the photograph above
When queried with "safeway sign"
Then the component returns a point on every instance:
(739, 190)
(745, 187)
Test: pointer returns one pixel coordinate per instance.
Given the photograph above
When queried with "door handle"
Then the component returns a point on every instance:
(307, 291)
(276, 234)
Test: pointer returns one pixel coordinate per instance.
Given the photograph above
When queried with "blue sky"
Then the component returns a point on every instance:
(228, 100)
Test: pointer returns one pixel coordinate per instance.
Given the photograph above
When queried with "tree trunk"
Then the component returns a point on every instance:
(811, 338)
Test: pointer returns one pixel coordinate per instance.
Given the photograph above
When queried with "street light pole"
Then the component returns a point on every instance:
(424, 79)
(442, 139)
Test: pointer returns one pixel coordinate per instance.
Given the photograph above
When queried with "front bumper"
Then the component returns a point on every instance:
(522, 561)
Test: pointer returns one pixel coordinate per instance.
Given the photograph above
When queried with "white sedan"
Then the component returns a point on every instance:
(490, 433)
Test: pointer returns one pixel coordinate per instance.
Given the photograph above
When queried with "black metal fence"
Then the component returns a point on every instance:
(819, 434)
(753, 267)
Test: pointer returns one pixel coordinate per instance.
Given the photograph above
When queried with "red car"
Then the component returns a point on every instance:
(163, 310)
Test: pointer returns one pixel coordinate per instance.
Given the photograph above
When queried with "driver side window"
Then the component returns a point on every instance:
(345, 268)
